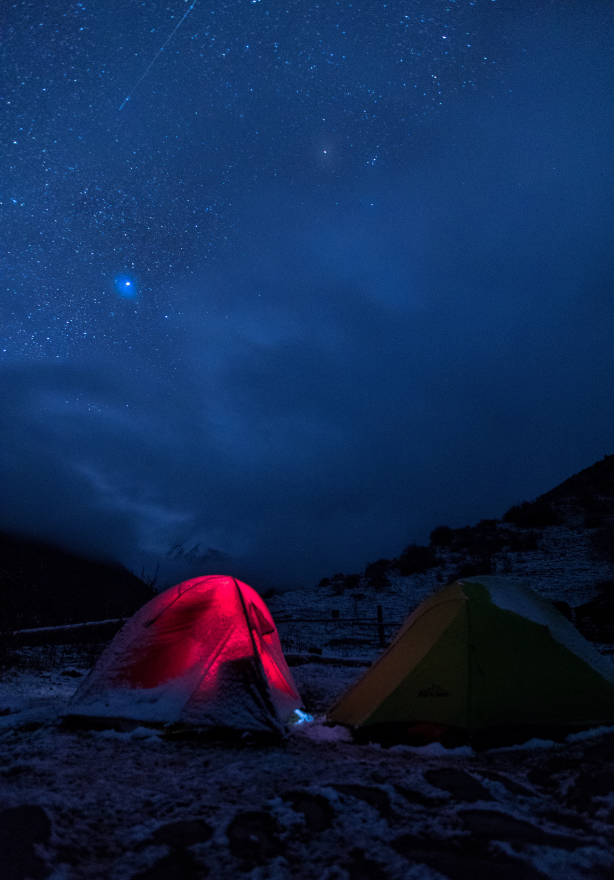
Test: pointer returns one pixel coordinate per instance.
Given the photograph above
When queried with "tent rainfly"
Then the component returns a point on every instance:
(482, 655)
(205, 653)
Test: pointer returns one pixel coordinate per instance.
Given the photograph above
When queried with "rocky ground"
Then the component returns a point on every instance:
(128, 805)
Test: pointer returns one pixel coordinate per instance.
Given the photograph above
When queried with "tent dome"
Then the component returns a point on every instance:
(483, 653)
(204, 652)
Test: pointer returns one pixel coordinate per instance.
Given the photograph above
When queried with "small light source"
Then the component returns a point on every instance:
(302, 717)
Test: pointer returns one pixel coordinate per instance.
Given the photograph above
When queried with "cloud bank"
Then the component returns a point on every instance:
(427, 344)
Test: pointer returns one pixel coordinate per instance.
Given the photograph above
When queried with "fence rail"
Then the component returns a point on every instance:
(101, 630)
(68, 634)
(367, 621)
(330, 623)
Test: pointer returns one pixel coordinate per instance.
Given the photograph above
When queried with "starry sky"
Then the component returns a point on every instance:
(310, 281)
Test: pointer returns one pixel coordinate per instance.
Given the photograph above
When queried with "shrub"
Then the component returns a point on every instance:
(596, 618)
(592, 503)
(376, 573)
(524, 542)
(338, 583)
(475, 565)
(441, 536)
(465, 538)
(564, 608)
(479, 540)
(416, 559)
(532, 515)
(602, 543)
(594, 520)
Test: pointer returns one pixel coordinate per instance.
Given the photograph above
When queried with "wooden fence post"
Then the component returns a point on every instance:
(380, 626)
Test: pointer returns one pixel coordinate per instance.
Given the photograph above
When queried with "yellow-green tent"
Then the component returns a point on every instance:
(483, 653)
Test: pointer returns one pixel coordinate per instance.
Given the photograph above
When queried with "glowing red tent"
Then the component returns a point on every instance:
(205, 652)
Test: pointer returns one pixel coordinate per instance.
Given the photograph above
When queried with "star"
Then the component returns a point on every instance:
(125, 286)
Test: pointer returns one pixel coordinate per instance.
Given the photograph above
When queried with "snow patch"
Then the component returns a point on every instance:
(433, 750)
(588, 734)
(513, 595)
(319, 731)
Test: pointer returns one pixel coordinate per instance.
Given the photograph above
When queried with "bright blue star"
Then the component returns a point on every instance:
(125, 286)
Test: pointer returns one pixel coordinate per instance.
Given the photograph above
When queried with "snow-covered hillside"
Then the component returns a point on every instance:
(562, 545)
(561, 567)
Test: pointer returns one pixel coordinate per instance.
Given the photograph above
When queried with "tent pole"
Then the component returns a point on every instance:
(251, 635)
(257, 659)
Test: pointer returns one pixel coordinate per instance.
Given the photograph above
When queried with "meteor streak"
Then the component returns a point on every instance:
(159, 52)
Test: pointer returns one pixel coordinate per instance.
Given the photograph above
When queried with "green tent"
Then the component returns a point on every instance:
(484, 653)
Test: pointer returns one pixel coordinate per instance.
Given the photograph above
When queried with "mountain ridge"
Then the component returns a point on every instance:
(43, 585)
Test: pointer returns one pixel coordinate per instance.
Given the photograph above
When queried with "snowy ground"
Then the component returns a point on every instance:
(130, 805)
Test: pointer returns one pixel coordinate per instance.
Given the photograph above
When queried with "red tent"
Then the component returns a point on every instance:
(205, 652)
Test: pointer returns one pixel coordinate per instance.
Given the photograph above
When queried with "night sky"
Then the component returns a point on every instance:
(336, 273)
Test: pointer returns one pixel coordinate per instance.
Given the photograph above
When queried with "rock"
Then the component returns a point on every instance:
(590, 785)
(361, 868)
(461, 785)
(413, 796)
(458, 864)
(178, 865)
(184, 832)
(543, 775)
(317, 811)
(597, 784)
(21, 828)
(375, 797)
(601, 751)
(512, 785)
(252, 837)
(15, 770)
(493, 825)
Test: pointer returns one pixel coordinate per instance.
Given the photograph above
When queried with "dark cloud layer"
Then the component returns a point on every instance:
(426, 342)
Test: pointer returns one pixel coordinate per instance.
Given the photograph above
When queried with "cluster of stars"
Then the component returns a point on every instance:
(243, 94)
